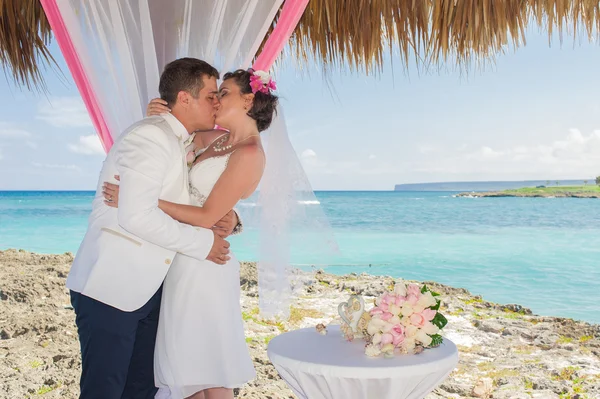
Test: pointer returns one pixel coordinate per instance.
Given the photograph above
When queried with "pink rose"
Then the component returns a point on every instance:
(387, 339)
(376, 311)
(417, 319)
(400, 300)
(429, 314)
(383, 302)
(414, 289)
(397, 334)
(387, 298)
(412, 299)
(386, 316)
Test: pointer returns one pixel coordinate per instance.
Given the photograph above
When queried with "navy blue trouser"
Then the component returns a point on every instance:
(117, 348)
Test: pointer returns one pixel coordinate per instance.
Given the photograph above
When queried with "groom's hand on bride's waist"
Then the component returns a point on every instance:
(219, 253)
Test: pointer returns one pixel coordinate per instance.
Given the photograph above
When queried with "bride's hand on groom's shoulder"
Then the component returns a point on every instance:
(110, 192)
(157, 106)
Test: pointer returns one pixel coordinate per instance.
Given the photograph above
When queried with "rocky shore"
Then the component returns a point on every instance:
(505, 351)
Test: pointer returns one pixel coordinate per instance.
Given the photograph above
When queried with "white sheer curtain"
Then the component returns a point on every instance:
(124, 45)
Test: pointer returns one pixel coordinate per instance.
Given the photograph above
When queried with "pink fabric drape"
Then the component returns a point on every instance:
(73, 63)
(289, 18)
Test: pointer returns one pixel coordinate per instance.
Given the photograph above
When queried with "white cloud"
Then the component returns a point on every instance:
(485, 153)
(575, 156)
(57, 166)
(426, 149)
(1, 156)
(308, 154)
(64, 112)
(88, 145)
(310, 160)
(372, 156)
(31, 144)
(315, 165)
(11, 132)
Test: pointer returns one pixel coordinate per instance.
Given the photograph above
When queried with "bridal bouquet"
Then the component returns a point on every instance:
(405, 317)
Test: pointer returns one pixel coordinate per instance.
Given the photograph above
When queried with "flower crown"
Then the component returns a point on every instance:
(261, 81)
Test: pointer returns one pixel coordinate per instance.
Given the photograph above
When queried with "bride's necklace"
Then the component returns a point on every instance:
(219, 147)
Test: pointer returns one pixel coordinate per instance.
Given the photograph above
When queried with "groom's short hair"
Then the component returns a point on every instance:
(184, 74)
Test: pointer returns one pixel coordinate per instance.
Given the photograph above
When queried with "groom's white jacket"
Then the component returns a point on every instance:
(126, 252)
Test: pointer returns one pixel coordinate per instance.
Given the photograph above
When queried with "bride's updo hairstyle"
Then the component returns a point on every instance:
(265, 102)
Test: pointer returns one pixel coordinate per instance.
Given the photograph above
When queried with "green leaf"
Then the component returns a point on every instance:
(436, 306)
(439, 320)
(424, 289)
(436, 340)
(434, 293)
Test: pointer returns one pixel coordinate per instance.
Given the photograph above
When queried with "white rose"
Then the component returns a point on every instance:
(264, 76)
(372, 350)
(388, 350)
(426, 300)
(418, 308)
(407, 309)
(411, 331)
(395, 320)
(400, 288)
(409, 345)
(430, 328)
(375, 326)
(376, 338)
(372, 329)
(387, 327)
(394, 309)
(423, 338)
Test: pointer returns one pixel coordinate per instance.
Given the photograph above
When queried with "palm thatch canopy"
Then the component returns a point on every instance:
(355, 32)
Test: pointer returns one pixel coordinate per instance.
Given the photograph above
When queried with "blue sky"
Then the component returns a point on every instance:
(535, 114)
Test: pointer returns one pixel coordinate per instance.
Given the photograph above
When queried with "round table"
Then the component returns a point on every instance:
(319, 366)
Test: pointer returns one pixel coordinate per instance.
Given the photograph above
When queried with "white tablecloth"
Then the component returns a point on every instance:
(326, 366)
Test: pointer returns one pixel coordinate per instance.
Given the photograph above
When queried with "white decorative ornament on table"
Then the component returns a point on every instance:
(351, 311)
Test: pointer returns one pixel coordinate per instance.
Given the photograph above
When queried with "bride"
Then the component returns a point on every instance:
(201, 352)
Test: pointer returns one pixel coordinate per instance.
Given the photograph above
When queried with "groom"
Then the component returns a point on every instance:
(117, 274)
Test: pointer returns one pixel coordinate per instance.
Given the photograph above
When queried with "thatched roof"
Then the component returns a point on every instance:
(355, 32)
(360, 32)
(24, 36)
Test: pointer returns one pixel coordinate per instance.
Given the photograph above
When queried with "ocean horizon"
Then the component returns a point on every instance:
(541, 253)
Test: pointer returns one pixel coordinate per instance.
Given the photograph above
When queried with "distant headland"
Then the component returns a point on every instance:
(484, 186)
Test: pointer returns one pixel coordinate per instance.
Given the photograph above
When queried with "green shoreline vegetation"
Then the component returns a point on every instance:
(548, 191)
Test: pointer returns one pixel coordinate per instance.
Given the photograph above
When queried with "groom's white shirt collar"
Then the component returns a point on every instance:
(178, 128)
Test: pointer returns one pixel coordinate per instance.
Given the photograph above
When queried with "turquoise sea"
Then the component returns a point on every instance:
(543, 253)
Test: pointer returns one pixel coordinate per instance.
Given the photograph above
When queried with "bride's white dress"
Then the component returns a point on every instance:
(200, 342)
